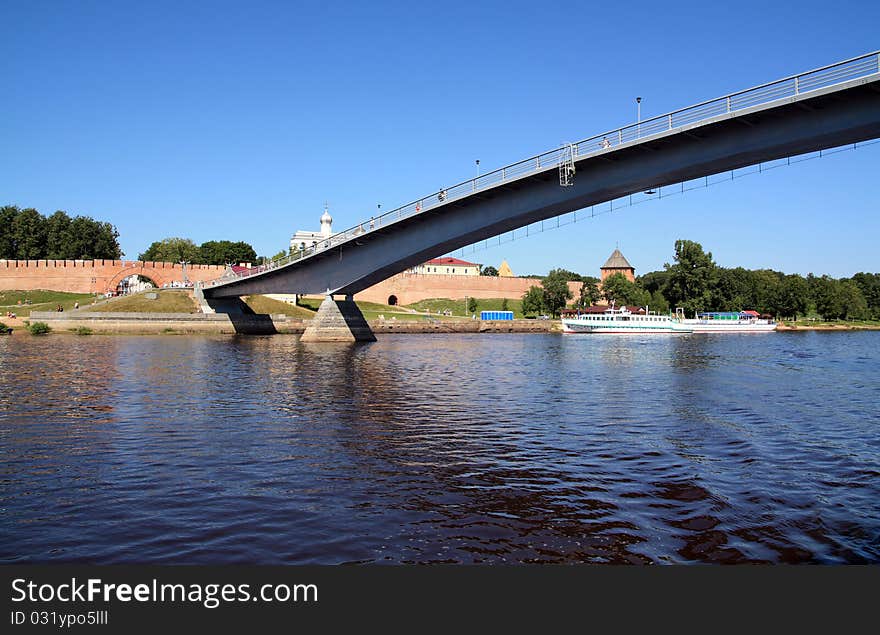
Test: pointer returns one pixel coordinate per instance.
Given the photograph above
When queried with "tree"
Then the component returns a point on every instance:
(57, 236)
(556, 291)
(8, 214)
(221, 252)
(29, 235)
(89, 239)
(854, 305)
(734, 290)
(792, 298)
(826, 293)
(172, 250)
(472, 305)
(571, 275)
(504, 304)
(589, 293)
(533, 301)
(653, 281)
(26, 234)
(619, 289)
(691, 278)
(869, 284)
(658, 303)
(489, 271)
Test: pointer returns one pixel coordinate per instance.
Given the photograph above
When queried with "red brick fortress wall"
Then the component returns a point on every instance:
(95, 276)
(412, 287)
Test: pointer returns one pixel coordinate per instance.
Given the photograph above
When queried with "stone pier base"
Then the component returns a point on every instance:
(338, 321)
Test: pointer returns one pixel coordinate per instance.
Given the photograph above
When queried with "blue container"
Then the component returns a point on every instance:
(496, 315)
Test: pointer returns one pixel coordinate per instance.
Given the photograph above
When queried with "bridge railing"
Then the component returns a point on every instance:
(789, 87)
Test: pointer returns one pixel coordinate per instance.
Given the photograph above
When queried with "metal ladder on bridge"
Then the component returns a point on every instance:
(566, 165)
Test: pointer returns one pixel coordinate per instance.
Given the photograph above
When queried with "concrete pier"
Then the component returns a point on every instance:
(338, 321)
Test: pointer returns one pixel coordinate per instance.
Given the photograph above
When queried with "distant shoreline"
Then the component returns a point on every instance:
(218, 324)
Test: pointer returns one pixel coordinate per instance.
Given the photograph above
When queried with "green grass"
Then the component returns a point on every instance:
(41, 300)
(81, 330)
(260, 304)
(458, 307)
(169, 301)
(4, 329)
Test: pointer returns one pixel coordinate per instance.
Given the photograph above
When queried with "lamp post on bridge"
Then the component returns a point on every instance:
(639, 115)
(478, 168)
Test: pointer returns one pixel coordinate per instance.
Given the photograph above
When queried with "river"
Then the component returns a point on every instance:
(441, 449)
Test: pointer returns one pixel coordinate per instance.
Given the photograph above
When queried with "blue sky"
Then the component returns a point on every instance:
(239, 120)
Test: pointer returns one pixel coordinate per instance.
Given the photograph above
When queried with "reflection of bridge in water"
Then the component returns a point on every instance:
(824, 108)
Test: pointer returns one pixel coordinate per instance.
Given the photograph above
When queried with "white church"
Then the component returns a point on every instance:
(303, 240)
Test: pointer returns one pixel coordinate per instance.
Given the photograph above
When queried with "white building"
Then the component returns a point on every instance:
(447, 267)
(302, 240)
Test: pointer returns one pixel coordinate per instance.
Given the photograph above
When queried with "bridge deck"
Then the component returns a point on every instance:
(828, 107)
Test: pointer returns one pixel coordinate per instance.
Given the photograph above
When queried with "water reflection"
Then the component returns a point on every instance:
(443, 448)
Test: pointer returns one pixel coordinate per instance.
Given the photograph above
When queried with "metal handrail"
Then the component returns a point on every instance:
(792, 86)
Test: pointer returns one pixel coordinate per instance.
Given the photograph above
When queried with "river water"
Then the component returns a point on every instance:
(441, 448)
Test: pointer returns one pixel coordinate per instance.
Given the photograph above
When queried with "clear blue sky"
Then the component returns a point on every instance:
(238, 120)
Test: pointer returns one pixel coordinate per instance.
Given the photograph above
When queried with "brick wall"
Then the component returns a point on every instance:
(408, 288)
(94, 276)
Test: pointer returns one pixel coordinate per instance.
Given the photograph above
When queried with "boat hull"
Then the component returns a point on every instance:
(578, 326)
(707, 326)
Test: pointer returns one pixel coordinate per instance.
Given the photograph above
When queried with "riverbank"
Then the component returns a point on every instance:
(827, 327)
(222, 323)
(262, 324)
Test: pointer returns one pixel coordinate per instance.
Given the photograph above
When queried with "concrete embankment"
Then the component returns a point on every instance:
(145, 323)
(219, 323)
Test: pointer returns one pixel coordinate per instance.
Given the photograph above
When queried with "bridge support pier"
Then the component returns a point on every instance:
(338, 321)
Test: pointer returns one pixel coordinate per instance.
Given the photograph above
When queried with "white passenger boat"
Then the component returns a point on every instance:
(725, 322)
(620, 320)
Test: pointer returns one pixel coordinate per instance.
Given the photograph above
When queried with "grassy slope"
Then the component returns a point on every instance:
(41, 300)
(458, 306)
(169, 301)
(262, 305)
(372, 310)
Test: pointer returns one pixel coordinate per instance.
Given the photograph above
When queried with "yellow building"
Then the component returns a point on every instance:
(504, 270)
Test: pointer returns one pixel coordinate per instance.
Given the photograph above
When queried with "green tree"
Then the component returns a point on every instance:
(221, 252)
(869, 284)
(504, 304)
(489, 271)
(90, 239)
(653, 281)
(556, 291)
(658, 303)
(691, 278)
(172, 250)
(589, 293)
(8, 214)
(733, 290)
(854, 305)
(58, 236)
(793, 297)
(472, 305)
(533, 301)
(29, 235)
(572, 276)
(618, 289)
(828, 298)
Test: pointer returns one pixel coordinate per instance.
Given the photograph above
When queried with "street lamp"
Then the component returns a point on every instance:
(639, 115)
(478, 167)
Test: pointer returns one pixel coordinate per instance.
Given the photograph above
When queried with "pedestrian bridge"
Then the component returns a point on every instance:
(823, 108)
